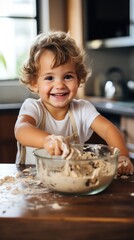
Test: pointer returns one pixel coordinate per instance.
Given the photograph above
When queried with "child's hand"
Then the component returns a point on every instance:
(125, 166)
(57, 145)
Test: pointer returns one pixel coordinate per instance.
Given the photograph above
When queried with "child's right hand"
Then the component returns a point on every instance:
(57, 145)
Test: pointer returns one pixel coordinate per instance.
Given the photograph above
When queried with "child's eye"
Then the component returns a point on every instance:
(49, 78)
(68, 77)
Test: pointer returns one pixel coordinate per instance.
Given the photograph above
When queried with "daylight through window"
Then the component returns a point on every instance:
(18, 27)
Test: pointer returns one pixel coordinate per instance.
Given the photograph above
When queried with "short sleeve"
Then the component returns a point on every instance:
(32, 107)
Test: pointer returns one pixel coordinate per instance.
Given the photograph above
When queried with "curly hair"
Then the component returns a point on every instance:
(64, 49)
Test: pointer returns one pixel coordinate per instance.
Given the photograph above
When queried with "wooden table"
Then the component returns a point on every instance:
(45, 215)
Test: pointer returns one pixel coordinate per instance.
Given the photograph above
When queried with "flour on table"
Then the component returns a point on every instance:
(24, 182)
(14, 188)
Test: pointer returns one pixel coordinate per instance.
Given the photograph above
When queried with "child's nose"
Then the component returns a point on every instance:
(59, 83)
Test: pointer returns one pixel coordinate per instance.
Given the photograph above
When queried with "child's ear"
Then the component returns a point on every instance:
(34, 87)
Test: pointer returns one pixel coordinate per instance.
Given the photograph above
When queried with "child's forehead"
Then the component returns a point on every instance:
(55, 59)
(48, 64)
(57, 53)
(46, 53)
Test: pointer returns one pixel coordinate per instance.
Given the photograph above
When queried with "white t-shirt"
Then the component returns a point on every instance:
(84, 114)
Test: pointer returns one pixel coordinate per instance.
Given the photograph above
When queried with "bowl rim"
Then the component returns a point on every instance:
(56, 158)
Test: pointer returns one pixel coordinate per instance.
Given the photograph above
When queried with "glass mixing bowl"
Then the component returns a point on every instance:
(91, 174)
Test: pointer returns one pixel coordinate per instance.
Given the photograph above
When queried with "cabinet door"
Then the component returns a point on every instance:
(127, 128)
(8, 145)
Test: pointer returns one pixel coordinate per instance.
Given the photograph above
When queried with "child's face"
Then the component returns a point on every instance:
(57, 86)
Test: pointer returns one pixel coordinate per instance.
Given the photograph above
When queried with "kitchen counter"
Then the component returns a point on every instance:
(29, 211)
(113, 107)
(10, 106)
(119, 108)
(102, 104)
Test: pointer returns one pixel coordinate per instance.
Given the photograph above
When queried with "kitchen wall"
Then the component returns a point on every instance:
(101, 60)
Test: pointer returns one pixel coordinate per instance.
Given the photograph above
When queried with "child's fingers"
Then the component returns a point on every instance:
(125, 166)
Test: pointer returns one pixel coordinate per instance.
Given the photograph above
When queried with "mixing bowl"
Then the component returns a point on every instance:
(91, 174)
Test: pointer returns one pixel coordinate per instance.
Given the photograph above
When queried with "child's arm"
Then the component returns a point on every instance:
(113, 137)
(28, 134)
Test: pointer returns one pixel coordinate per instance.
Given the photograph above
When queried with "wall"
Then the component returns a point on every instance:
(57, 14)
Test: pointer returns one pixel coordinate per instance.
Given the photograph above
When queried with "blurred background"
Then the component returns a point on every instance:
(106, 31)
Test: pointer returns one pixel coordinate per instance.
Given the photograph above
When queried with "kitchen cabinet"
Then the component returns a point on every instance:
(8, 146)
(126, 126)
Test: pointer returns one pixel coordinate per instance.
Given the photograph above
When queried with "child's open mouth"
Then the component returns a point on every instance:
(58, 94)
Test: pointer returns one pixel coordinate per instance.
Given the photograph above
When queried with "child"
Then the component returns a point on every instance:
(54, 70)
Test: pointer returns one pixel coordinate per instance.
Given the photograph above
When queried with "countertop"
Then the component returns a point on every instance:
(114, 107)
(123, 108)
(10, 106)
(30, 211)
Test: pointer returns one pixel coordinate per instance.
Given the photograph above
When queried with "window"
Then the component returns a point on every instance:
(18, 27)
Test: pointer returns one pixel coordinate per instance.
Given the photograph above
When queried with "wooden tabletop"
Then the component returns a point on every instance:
(30, 211)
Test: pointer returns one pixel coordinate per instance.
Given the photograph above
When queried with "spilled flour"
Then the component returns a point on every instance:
(24, 191)
(24, 182)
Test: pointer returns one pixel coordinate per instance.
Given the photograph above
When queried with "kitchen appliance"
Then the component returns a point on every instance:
(115, 86)
(109, 23)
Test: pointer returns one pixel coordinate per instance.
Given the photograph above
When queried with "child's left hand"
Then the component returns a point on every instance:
(125, 166)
